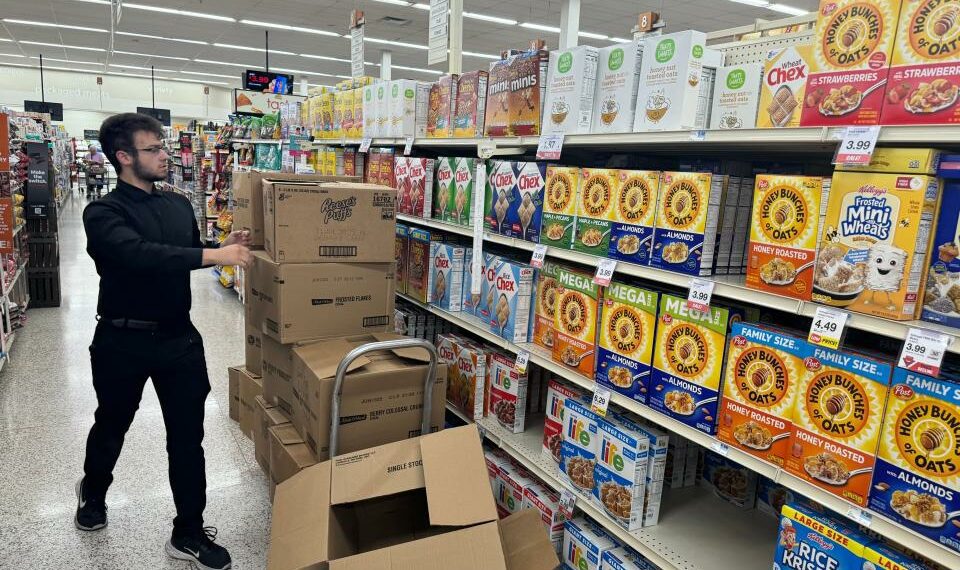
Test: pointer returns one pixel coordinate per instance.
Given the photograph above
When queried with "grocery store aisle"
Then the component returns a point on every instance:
(46, 409)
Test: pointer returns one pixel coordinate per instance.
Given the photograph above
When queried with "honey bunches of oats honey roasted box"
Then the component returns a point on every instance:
(560, 198)
(635, 209)
(836, 423)
(917, 478)
(628, 321)
(575, 320)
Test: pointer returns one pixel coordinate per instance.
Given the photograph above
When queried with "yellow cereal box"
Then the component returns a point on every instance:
(783, 85)
(576, 314)
(560, 200)
(628, 321)
(877, 234)
(544, 310)
(596, 210)
(784, 232)
(688, 214)
(631, 236)
(836, 423)
(903, 160)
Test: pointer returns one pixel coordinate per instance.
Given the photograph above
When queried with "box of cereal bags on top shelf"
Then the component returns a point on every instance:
(508, 392)
(688, 215)
(628, 321)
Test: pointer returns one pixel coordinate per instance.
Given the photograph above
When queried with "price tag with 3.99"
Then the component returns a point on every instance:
(856, 147)
(826, 330)
(539, 254)
(605, 269)
(550, 146)
(701, 291)
(923, 351)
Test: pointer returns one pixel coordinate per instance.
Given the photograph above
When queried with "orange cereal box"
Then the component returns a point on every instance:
(576, 315)
(837, 421)
(783, 233)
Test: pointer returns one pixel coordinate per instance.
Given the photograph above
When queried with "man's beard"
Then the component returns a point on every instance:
(144, 174)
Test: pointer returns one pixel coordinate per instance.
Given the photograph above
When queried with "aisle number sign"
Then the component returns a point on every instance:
(550, 146)
(826, 330)
(438, 32)
(856, 146)
(356, 43)
(923, 351)
(701, 292)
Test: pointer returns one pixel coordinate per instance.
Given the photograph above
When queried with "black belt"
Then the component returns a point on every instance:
(134, 324)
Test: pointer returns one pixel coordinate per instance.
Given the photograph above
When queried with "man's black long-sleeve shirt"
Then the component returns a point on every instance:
(144, 246)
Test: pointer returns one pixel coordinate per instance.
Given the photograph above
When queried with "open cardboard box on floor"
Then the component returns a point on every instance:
(250, 387)
(421, 503)
(288, 454)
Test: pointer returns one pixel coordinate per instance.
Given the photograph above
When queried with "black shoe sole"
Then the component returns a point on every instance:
(76, 521)
(174, 552)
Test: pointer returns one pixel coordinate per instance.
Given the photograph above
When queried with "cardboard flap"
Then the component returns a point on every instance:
(378, 471)
(300, 511)
(287, 434)
(525, 545)
(324, 357)
(416, 354)
(455, 473)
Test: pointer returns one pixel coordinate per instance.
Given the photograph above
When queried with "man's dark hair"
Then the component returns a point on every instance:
(117, 132)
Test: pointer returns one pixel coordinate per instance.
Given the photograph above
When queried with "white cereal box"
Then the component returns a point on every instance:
(547, 502)
(618, 77)
(511, 308)
(445, 287)
(512, 482)
(369, 111)
(571, 81)
(557, 392)
(508, 392)
(419, 179)
(584, 545)
(581, 440)
(736, 96)
(670, 78)
(621, 473)
(405, 94)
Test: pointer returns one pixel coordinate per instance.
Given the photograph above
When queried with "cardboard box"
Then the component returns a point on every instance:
(279, 388)
(634, 215)
(253, 343)
(265, 417)
(330, 222)
(471, 104)
(289, 455)
(250, 388)
(618, 78)
(736, 97)
(628, 322)
(571, 82)
(303, 301)
(233, 386)
(783, 86)
(670, 82)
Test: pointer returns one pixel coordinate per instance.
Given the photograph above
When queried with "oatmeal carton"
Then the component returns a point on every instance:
(877, 235)
(576, 314)
(628, 322)
(836, 423)
(736, 96)
(688, 215)
(851, 59)
(623, 558)
(508, 392)
(571, 81)
(445, 285)
(621, 473)
(925, 72)
(688, 363)
(524, 216)
(618, 78)
(916, 481)
(783, 86)
(596, 207)
(764, 370)
(512, 305)
(497, 115)
(545, 305)
(807, 539)
(501, 179)
(784, 233)
(730, 481)
(528, 79)
(557, 393)
(581, 441)
(584, 544)
(670, 82)
(634, 214)
(401, 253)
(470, 106)
(560, 206)
(547, 503)
(443, 95)
(453, 190)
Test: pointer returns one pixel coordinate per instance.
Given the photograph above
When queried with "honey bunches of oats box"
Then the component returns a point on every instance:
(595, 211)
(560, 206)
(628, 321)
(688, 363)
(688, 215)
(576, 314)
(916, 481)
(544, 310)
(634, 213)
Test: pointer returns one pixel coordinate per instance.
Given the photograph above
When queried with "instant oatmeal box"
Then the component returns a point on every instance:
(595, 211)
(634, 213)
(688, 215)
(576, 314)
(628, 321)
(560, 206)
(783, 85)
(836, 423)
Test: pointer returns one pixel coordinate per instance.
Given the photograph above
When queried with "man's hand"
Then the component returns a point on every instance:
(235, 254)
(241, 237)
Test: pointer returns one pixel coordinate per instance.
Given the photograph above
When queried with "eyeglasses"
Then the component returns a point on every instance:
(155, 149)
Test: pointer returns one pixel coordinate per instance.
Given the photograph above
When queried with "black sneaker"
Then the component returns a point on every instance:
(91, 511)
(199, 549)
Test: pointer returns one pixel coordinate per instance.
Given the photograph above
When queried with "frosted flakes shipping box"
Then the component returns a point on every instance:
(571, 81)
(618, 78)
(628, 321)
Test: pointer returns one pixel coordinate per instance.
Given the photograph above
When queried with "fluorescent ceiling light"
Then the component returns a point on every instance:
(11, 55)
(122, 66)
(52, 25)
(196, 81)
(104, 2)
(397, 2)
(485, 18)
(214, 62)
(481, 55)
(68, 60)
(5, 40)
(205, 73)
(290, 28)
(757, 3)
(541, 27)
(247, 48)
(178, 12)
(151, 55)
(301, 72)
(393, 43)
(592, 35)
(620, 40)
(181, 40)
(327, 58)
(62, 46)
(421, 6)
(784, 9)
(420, 69)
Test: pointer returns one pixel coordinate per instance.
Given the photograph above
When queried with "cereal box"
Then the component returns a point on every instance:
(557, 392)
(730, 481)
(836, 423)
(688, 214)
(358, 120)
(628, 321)
(469, 381)
(596, 208)
(405, 96)
(904, 161)
(369, 110)
(418, 263)
(443, 188)
(634, 213)
(497, 115)
(925, 71)
(401, 252)
(547, 502)
(524, 216)
(510, 311)
(879, 555)
(469, 300)
(584, 545)
(878, 230)
(544, 309)
(528, 80)
(851, 58)
(501, 178)
(560, 206)
(784, 232)
(445, 286)
(508, 392)
(419, 179)
(942, 290)
(763, 372)
(453, 190)
(512, 483)
(402, 183)
(772, 496)
(807, 539)
(571, 81)
(576, 314)
(470, 105)
(443, 95)
(618, 78)
(383, 108)
(670, 79)
(483, 307)
(917, 478)
(387, 177)
(623, 558)
(621, 473)
(581, 441)
(688, 363)
(736, 96)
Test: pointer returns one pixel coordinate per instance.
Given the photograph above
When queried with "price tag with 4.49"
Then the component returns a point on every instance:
(826, 330)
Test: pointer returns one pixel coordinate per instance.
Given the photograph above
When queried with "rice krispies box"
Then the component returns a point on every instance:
(525, 213)
(688, 215)
(576, 314)
(581, 440)
(512, 306)
(453, 190)
(560, 206)
(544, 310)
(501, 178)
(445, 285)
(916, 481)
(584, 544)
(880, 555)
(836, 423)
(688, 363)
(634, 213)
(628, 321)
(621, 473)
(807, 539)
(557, 393)
(508, 392)
(595, 211)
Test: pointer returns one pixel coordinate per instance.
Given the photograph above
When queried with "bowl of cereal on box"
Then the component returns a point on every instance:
(836, 278)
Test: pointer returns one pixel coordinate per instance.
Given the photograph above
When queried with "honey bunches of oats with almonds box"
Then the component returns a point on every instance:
(634, 214)
(688, 215)
(581, 440)
(808, 539)
(557, 392)
(560, 197)
(621, 473)
(512, 306)
(595, 211)
(628, 321)
(508, 392)
(576, 314)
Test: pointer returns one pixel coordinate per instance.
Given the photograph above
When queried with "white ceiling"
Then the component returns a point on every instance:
(612, 18)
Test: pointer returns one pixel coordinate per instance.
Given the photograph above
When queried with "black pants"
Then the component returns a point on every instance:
(122, 360)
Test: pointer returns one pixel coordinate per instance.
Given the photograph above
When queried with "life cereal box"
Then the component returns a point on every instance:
(547, 503)
(560, 206)
(595, 211)
(525, 213)
(584, 545)
(807, 539)
(557, 392)
(836, 423)
(688, 363)
(730, 481)
(501, 178)
(401, 252)
(511, 307)
(576, 314)
(621, 473)
(917, 478)
(497, 116)
(628, 322)
(688, 212)
(443, 95)
(512, 481)
(623, 558)
(851, 59)
(544, 310)
(877, 235)
(925, 73)
(453, 190)
(471, 104)
(784, 232)
(446, 276)
(764, 370)
(631, 234)
(508, 392)
(581, 440)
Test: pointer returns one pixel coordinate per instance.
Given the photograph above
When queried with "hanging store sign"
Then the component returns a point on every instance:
(438, 36)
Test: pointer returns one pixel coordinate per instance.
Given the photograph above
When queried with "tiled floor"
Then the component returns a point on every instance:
(46, 408)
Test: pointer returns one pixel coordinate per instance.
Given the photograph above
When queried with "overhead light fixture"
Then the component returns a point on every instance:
(247, 48)
(592, 35)
(214, 62)
(290, 28)
(105, 2)
(481, 55)
(151, 55)
(396, 2)
(203, 15)
(52, 25)
(11, 55)
(302, 72)
(420, 6)
(122, 66)
(326, 58)
(784, 9)
(68, 60)
(757, 3)
(541, 27)
(62, 46)
(5, 40)
(181, 40)
(486, 18)
(394, 43)
(206, 73)
(620, 40)
(196, 81)
(420, 69)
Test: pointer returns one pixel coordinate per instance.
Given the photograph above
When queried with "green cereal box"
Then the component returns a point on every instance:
(453, 190)
(560, 206)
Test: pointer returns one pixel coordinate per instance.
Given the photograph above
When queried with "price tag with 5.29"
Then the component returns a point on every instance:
(826, 330)
(523, 358)
(856, 147)
(701, 291)
(539, 254)
(601, 400)
(605, 269)
(550, 146)
(923, 351)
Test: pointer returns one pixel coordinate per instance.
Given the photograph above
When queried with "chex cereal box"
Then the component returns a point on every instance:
(525, 213)
(469, 299)
(879, 556)
(453, 190)
(688, 363)
(851, 59)
(560, 206)
(688, 214)
(807, 539)
(513, 481)
(512, 306)
(401, 251)
(402, 183)
(467, 379)
(445, 285)
(578, 453)
(764, 370)
(583, 545)
(628, 321)
(925, 72)
(621, 473)
(419, 179)
(501, 178)
(576, 314)
(557, 392)
(508, 392)
(547, 502)
(486, 302)
(595, 211)
(730, 481)
(783, 85)
(634, 213)
(784, 232)
(836, 423)
(917, 478)
(623, 558)
(545, 306)
(418, 263)
(443, 188)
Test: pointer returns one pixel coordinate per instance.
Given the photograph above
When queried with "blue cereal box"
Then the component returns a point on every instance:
(488, 287)
(916, 481)
(525, 214)
(584, 545)
(625, 559)
(628, 321)
(500, 181)
(688, 214)
(621, 473)
(469, 303)
(631, 234)
(446, 276)
(941, 297)
(808, 540)
(878, 556)
(581, 440)
(512, 302)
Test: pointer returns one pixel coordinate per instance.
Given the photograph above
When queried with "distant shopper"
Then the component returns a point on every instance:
(95, 170)
(145, 242)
